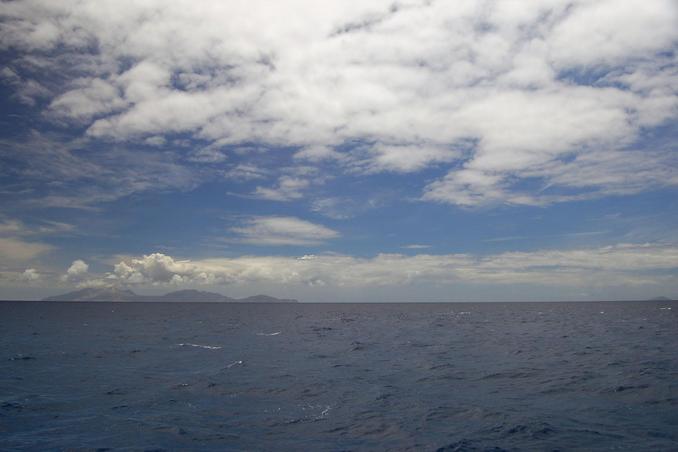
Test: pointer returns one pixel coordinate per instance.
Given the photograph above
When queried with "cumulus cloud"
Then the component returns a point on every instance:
(158, 269)
(30, 275)
(282, 231)
(77, 272)
(497, 93)
(620, 265)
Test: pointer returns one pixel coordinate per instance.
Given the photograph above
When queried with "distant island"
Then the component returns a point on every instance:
(126, 295)
(661, 299)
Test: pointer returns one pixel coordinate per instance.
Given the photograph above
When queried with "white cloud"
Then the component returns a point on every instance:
(416, 246)
(208, 155)
(245, 172)
(612, 266)
(30, 275)
(283, 231)
(78, 267)
(88, 98)
(288, 188)
(609, 32)
(406, 158)
(77, 272)
(53, 228)
(337, 208)
(518, 87)
(317, 154)
(155, 141)
(154, 268)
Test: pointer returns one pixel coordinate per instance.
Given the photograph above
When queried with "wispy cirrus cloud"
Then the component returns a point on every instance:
(62, 172)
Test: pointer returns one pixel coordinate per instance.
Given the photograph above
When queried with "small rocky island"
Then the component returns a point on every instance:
(126, 295)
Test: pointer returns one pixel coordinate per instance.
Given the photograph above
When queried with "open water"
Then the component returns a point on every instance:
(454, 377)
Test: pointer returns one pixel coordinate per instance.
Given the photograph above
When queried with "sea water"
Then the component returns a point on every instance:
(466, 376)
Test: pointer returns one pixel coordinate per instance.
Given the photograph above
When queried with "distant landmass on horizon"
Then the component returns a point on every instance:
(126, 295)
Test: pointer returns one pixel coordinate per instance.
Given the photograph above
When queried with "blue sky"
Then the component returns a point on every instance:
(343, 151)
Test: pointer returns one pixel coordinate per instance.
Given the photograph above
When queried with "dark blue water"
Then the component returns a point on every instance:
(496, 376)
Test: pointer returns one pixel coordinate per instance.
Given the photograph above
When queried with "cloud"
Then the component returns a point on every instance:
(244, 172)
(499, 94)
(18, 241)
(31, 275)
(11, 227)
(406, 158)
(337, 208)
(416, 247)
(282, 231)
(288, 188)
(60, 172)
(88, 99)
(27, 92)
(77, 272)
(207, 155)
(77, 268)
(17, 250)
(19, 228)
(14, 246)
(646, 27)
(317, 154)
(618, 265)
(156, 268)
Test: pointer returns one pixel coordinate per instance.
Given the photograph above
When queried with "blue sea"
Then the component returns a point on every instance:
(339, 377)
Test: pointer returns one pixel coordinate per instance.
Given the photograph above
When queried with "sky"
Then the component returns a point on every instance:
(340, 150)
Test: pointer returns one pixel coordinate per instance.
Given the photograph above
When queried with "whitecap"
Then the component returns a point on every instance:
(269, 334)
(208, 347)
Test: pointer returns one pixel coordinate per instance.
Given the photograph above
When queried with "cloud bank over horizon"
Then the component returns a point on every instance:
(625, 265)
(345, 130)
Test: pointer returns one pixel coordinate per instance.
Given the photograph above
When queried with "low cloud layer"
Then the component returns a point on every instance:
(620, 265)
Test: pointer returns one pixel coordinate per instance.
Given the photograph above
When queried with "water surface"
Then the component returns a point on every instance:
(467, 376)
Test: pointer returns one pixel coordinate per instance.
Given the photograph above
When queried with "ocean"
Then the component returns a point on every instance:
(339, 377)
